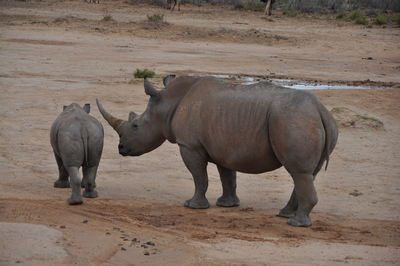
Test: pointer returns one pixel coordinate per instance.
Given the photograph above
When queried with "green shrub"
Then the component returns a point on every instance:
(381, 20)
(107, 18)
(143, 73)
(341, 15)
(358, 17)
(353, 15)
(290, 13)
(155, 18)
(254, 6)
(361, 20)
(396, 19)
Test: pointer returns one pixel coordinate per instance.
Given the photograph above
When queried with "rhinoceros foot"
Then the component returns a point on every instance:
(228, 201)
(75, 200)
(84, 183)
(287, 213)
(62, 183)
(90, 194)
(303, 221)
(197, 204)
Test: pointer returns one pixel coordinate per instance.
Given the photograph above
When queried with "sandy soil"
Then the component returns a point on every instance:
(57, 52)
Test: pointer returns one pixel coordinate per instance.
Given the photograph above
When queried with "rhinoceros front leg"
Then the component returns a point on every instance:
(196, 162)
(290, 209)
(228, 180)
(89, 175)
(62, 181)
(306, 197)
(76, 197)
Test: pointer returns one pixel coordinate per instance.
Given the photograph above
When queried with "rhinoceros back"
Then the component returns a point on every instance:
(77, 138)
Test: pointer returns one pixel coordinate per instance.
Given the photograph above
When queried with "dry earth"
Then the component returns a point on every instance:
(57, 52)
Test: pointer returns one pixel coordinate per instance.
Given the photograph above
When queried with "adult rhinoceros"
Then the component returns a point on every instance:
(247, 128)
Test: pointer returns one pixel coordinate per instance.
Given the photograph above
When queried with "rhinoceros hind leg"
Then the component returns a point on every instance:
(306, 197)
(89, 177)
(196, 162)
(90, 194)
(228, 180)
(62, 181)
(76, 197)
(290, 209)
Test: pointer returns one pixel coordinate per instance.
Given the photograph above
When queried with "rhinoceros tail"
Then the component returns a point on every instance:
(85, 136)
(331, 135)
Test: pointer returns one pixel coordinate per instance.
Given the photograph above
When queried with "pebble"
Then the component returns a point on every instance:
(150, 243)
(146, 253)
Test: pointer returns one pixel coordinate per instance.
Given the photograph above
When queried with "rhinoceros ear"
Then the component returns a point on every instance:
(132, 116)
(64, 107)
(150, 89)
(168, 79)
(86, 107)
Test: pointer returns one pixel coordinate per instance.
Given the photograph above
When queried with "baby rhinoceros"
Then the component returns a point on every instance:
(77, 140)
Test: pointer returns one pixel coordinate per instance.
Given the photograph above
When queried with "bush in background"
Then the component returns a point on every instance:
(143, 73)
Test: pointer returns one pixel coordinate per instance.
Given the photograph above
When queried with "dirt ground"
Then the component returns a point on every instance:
(53, 53)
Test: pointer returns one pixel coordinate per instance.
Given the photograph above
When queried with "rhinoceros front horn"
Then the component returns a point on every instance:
(114, 122)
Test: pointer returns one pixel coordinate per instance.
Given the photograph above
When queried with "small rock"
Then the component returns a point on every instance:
(85, 221)
(122, 248)
(62, 226)
(355, 193)
(18, 261)
(108, 233)
(150, 243)
(146, 253)
(144, 246)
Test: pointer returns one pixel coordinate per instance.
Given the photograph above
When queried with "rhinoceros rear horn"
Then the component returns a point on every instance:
(114, 122)
(150, 89)
(167, 79)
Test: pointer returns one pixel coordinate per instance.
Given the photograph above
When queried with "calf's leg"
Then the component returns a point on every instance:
(75, 178)
(228, 180)
(62, 181)
(89, 173)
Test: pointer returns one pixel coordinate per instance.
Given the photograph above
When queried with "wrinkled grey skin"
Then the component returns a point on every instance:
(77, 140)
(248, 128)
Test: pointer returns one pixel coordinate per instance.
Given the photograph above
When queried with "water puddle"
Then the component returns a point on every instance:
(289, 83)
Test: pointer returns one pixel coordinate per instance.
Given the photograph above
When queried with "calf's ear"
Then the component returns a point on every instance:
(132, 116)
(86, 107)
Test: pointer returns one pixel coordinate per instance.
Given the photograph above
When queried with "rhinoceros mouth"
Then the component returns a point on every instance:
(129, 153)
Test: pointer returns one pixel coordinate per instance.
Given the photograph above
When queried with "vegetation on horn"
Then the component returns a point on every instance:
(144, 73)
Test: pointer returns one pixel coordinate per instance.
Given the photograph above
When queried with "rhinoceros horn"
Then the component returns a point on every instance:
(150, 89)
(114, 122)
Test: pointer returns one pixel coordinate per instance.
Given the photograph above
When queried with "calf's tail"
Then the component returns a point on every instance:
(84, 136)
